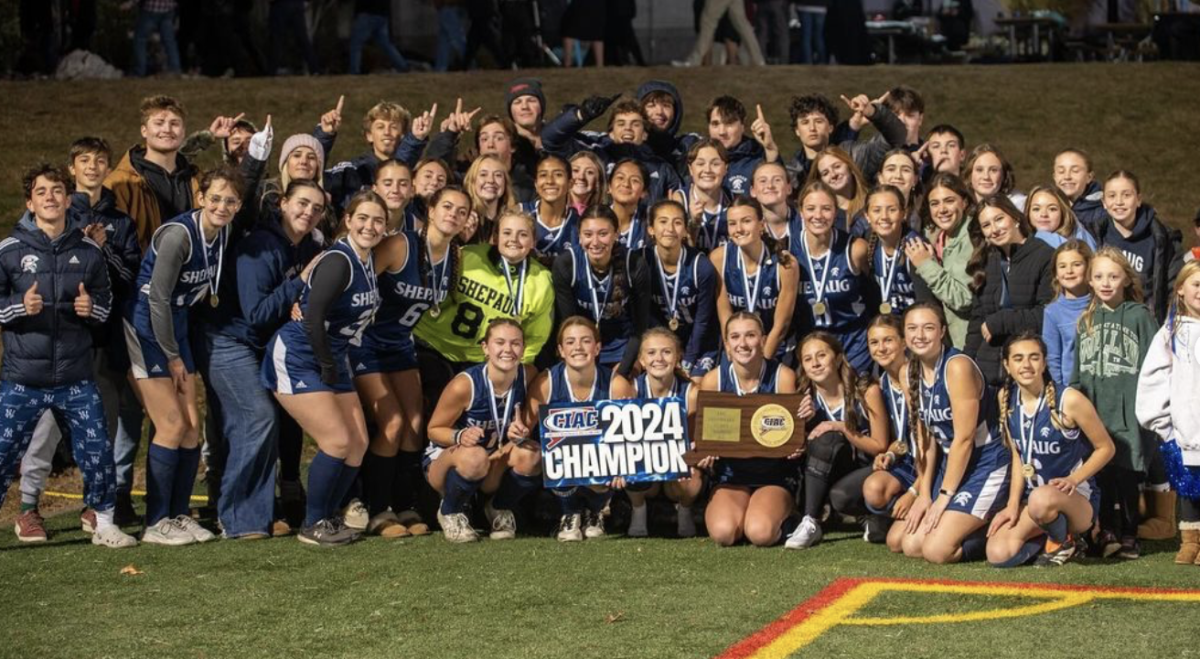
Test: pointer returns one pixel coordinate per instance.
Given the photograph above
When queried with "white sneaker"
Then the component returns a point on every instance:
(167, 532)
(637, 522)
(593, 525)
(356, 515)
(568, 529)
(805, 535)
(193, 527)
(113, 538)
(456, 527)
(504, 523)
(685, 525)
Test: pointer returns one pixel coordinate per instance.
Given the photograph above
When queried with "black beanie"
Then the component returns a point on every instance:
(524, 87)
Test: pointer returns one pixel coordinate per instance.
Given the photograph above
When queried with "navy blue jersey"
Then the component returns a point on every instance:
(488, 410)
(354, 309)
(634, 237)
(560, 388)
(823, 412)
(680, 389)
(841, 290)
(933, 403)
(893, 276)
(414, 215)
(551, 241)
(407, 293)
(762, 287)
(202, 268)
(689, 296)
(595, 297)
(714, 226)
(897, 409)
(768, 383)
(1054, 452)
(791, 233)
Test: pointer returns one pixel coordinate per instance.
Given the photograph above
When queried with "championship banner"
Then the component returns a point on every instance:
(641, 440)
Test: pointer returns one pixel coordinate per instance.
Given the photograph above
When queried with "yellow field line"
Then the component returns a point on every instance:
(974, 616)
(198, 498)
(806, 632)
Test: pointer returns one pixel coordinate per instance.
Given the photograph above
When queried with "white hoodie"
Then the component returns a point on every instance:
(1168, 397)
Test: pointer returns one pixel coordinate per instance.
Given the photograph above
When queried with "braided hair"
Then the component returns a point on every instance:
(1049, 391)
(873, 238)
(913, 377)
(853, 387)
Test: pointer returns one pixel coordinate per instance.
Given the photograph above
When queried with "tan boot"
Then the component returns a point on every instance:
(1189, 549)
(1162, 525)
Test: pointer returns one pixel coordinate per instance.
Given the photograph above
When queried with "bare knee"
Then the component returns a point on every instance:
(1042, 504)
(939, 553)
(471, 463)
(912, 546)
(762, 532)
(724, 532)
(525, 462)
(1000, 550)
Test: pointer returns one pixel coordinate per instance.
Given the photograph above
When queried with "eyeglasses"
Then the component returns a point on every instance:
(227, 202)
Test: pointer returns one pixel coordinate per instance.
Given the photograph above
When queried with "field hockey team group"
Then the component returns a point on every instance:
(984, 373)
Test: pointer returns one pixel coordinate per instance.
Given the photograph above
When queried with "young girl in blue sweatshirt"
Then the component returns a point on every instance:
(1060, 321)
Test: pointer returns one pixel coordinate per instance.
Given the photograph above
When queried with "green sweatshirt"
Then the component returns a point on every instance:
(949, 282)
(1107, 363)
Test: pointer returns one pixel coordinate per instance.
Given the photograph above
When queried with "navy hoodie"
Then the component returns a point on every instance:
(54, 347)
(258, 298)
(123, 256)
(667, 144)
(1154, 251)
(1089, 207)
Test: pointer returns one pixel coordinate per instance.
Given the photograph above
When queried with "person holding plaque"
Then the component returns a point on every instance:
(892, 486)
(756, 275)
(751, 497)
(834, 263)
(848, 426)
(683, 288)
(946, 391)
(663, 377)
(1051, 432)
(597, 279)
(416, 271)
(480, 441)
(577, 379)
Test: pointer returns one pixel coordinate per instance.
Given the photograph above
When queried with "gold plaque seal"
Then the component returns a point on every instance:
(772, 425)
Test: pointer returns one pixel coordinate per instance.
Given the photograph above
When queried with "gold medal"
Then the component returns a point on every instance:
(435, 311)
(1027, 470)
(819, 309)
(899, 448)
(214, 300)
(673, 324)
(885, 309)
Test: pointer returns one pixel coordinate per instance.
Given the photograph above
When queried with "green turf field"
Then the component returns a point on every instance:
(534, 597)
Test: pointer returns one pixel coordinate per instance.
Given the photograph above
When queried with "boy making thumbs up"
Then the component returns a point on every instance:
(53, 289)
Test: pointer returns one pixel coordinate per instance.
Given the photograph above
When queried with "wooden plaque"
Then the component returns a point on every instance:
(754, 426)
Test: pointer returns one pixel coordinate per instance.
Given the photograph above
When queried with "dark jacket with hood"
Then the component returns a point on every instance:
(1154, 251)
(868, 155)
(1089, 207)
(53, 347)
(1028, 284)
(150, 194)
(667, 144)
(123, 257)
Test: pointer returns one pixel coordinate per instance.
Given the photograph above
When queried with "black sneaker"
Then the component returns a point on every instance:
(1129, 548)
(875, 528)
(328, 533)
(1056, 554)
(1106, 544)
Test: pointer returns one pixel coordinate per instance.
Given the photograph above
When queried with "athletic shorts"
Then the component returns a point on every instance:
(985, 484)
(290, 367)
(146, 357)
(375, 356)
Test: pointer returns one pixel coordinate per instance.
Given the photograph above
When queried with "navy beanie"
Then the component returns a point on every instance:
(524, 87)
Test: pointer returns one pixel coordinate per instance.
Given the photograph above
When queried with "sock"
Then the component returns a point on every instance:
(377, 476)
(27, 506)
(408, 481)
(1027, 551)
(595, 501)
(1056, 528)
(457, 491)
(104, 519)
(974, 546)
(341, 495)
(569, 502)
(185, 481)
(513, 488)
(161, 464)
(323, 475)
(815, 488)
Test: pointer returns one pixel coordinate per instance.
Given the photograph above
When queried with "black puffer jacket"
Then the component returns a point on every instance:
(1029, 279)
(53, 347)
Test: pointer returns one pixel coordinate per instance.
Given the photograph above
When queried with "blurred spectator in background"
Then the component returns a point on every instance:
(153, 16)
(286, 22)
(372, 19)
(37, 38)
(584, 23)
(771, 28)
(516, 17)
(82, 18)
(485, 30)
(812, 31)
(709, 20)
(452, 38)
(955, 16)
(620, 40)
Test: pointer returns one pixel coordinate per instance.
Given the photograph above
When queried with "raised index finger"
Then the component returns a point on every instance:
(341, 102)
(237, 118)
(458, 106)
(846, 100)
(760, 114)
(433, 111)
